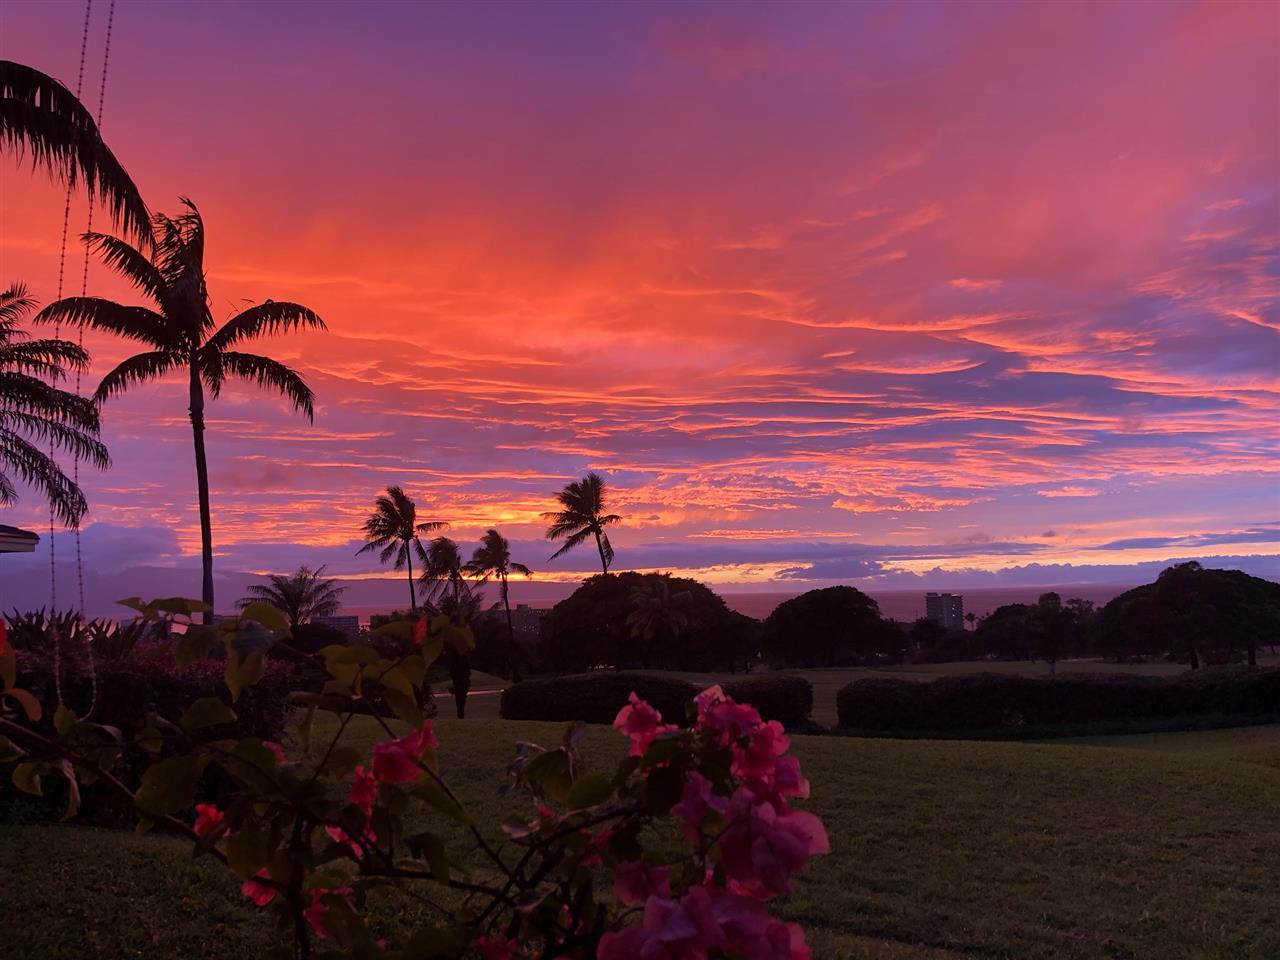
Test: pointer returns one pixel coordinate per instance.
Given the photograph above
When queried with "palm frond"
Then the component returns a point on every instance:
(41, 117)
(37, 469)
(266, 319)
(572, 541)
(129, 262)
(137, 369)
(135, 323)
(15, 303)
(270, 374)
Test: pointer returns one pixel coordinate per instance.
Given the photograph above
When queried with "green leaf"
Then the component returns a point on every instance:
(137, 603)
(206, 712)
(150, 739)
(588, 790)
(432, 849)
(178, 605)
(404, 707)
(26, 777)
(243, 673)
(305, 726)
(397, 629)
(64, 719)
(550, 772)
(195, 644)
(10, 751)
(431, 792)
(267, 615)
(168, 786)
(342, 760)
(30, 705)
(247, 850)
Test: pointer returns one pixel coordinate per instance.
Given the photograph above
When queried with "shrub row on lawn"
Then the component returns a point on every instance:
(987, 701)
(597, 697)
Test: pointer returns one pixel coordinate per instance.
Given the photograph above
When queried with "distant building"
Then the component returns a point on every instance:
(348, 625)
(946, 609)
(527, 619)
(13, 540)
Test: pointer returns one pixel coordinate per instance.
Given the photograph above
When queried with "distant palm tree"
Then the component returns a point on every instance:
(393, 528)
(32, 408)
(583, 516)
(38, 115)
(492, 560)
(656, 614)
(444, 575)
(301, 597)
(182, 335)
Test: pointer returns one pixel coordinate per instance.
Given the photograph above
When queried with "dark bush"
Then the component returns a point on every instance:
(127, 691)
(988, 701)
(597, 697)
(789, 700)
(594, 697)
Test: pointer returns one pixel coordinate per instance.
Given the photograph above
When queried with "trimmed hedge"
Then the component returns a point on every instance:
(597, 697)
(991, 701)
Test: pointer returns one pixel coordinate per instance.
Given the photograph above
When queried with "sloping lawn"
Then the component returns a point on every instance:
(941, 850)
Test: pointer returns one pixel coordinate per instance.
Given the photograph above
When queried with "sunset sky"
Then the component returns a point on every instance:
(895, 295)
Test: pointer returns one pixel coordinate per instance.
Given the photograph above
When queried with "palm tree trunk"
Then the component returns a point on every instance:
(413, 599)
(600, 546)
(511, 635)
(196, 411)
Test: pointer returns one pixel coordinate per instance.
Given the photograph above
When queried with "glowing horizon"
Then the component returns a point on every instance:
(827, 293)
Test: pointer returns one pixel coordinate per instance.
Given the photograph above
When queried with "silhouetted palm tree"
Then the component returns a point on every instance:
(182, 335)
(656, 614)
(41, 117)
(393, 528)
(583, 516)
(492, 560)
(301, 597)
(32, 408)
(444, 575)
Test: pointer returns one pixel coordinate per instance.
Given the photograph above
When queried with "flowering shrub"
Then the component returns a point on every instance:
(321, 835)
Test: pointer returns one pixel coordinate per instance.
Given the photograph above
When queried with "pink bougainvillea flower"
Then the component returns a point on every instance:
(786, 780)
(596, 847)
(763, 846)
(696, 801)
(641, 723)
(260, 893)
(729, 721)
(317, 913)
(757, 758)
(276, 749)
(338, 835)
(208, 819)
(752, 934)
(633, 882)
(364, 790)
(498, 949)
(684, 929)
(396, 761)
(4, 637)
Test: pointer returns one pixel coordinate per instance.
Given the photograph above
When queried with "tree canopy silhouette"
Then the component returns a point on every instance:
(301, 596)
(492, 560)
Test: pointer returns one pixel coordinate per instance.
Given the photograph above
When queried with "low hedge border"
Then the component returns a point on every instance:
(597, 697)
(986, 702)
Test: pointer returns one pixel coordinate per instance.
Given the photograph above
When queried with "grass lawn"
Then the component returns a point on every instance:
(1162, 846)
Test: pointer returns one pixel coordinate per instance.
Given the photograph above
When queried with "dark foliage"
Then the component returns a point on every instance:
(591, 628)
(1191, 614)
(127, 692)
(995, 701)
(597, 697)
(832, 627)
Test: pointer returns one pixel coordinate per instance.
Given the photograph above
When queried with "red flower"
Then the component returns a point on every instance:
(259, 893)
(208, 819)
(396, 761)
(498, 949)
(276, 749)
(338, 835)
(4, 637)
(642, 723)
(364, 791)
(316, 913)
(420, 631)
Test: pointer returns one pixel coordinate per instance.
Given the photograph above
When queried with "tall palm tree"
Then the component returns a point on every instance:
(181, 335)
(301, 597)
(582, 516)
(492, 560)
(444, 575)
(393, 528)
(41, 117)
(30, 407)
